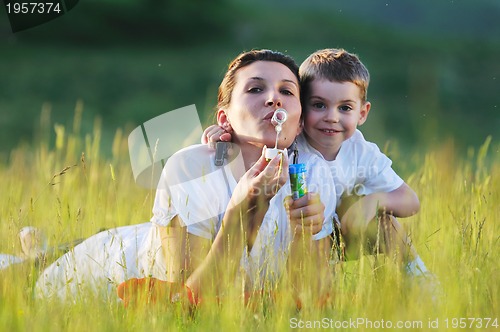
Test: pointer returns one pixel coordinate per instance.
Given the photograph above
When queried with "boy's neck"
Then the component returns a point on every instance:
(329, 154)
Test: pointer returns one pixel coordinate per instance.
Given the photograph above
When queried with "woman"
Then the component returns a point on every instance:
(211, 222)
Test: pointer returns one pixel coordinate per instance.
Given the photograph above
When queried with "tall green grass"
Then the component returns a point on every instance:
(70, 191)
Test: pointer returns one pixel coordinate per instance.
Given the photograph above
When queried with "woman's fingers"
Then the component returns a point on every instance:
(276, 172)
(267, 177)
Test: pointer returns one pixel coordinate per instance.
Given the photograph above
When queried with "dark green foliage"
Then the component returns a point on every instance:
(434, 66)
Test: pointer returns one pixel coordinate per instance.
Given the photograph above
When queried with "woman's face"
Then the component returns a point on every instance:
(261, 88)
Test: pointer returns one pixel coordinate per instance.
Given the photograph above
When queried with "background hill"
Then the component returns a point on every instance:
(434, 65)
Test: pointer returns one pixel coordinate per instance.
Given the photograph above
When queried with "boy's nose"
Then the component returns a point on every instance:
(332, 116)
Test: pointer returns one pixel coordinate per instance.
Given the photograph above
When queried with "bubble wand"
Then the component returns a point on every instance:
(279, 118)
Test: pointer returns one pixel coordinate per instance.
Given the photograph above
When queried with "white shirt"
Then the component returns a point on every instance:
(196, 190)
(359, 168)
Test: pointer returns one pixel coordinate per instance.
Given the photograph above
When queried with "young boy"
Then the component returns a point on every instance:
(334, 86)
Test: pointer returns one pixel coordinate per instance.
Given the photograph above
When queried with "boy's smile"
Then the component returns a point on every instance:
(333, 110)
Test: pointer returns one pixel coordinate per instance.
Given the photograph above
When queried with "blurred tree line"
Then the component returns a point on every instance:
(434, 66)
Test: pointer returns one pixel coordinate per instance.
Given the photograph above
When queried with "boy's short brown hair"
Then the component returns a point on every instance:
(334, 65)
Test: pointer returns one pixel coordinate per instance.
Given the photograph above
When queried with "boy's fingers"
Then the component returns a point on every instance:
(308, 199)
(214, 135)
(306, 212)
(310, 225)
(204, 136)
(226, 137)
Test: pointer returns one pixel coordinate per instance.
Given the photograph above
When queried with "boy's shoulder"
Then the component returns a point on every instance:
(356, 138)
(359, 143)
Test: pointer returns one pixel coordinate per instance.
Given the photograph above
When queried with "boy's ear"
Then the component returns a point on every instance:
(363, 114)
(223, 120)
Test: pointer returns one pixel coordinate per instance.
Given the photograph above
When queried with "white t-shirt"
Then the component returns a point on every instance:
(196, 190)
(359, 168)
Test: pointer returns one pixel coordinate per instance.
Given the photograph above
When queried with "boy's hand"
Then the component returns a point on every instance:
(213, 134)
(358, 216)
(306, 213)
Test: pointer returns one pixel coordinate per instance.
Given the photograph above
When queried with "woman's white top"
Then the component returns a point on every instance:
(197, 191)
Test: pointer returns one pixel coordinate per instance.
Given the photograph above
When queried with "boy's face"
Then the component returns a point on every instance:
(333, 111)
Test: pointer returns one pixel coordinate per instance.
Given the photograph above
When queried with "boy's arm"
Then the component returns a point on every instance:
(401, 202)
(308, 259)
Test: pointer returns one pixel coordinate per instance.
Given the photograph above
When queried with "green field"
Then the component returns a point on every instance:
(108, 66)
(456, 233)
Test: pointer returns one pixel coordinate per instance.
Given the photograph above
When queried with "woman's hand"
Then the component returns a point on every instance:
(250, 199)
(262, 181)
(306, 214)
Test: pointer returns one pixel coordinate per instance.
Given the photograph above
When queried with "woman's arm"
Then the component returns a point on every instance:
(212, 266)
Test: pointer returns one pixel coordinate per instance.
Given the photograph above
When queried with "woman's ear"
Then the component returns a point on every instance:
(223, 121)
(301, 126)
(363, 114)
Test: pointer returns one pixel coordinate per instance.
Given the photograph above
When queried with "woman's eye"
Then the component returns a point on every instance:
(254, 90)
(287, 92)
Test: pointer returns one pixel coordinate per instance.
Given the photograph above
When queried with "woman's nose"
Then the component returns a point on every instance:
(274, 100)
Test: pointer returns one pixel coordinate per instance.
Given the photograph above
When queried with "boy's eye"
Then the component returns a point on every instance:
(318, 105)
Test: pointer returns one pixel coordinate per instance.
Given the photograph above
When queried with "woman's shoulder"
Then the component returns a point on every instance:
(188, 163)
(198, 154)
(194, 151)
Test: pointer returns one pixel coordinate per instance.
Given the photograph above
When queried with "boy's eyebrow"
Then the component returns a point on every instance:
(283, 80)
(341, 101)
